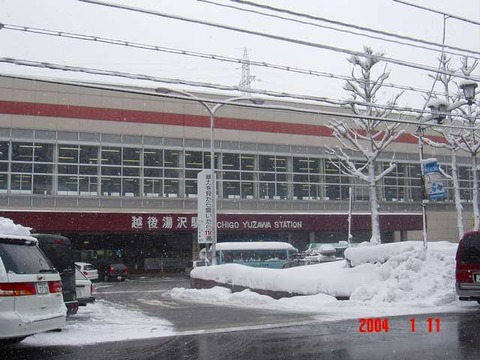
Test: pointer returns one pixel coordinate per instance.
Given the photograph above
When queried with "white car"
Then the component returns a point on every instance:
(31, 298)
(88, 270)
(85, 289)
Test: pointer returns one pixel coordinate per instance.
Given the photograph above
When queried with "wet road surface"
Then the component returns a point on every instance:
(452, 336)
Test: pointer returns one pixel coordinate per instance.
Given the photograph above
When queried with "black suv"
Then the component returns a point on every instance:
(467, 274)
(59, 250)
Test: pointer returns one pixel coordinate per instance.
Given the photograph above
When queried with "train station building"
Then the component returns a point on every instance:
(114, 168)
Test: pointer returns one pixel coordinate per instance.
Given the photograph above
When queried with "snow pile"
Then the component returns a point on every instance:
(103, 321)
(410, 275)
(333, 278)
(389, 274)
(8, 227)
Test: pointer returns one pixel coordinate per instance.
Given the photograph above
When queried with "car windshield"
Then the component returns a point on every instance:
(22, 258)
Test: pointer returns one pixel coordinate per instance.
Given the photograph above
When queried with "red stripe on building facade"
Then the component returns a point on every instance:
(152, 117)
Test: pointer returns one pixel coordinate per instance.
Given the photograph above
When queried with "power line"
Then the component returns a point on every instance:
(78, 69)
(413, 41)
(280, 38)
(439, 12)
(77, 36)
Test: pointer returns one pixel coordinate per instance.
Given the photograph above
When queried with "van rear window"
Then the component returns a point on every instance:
(21, 258)
(470, 250)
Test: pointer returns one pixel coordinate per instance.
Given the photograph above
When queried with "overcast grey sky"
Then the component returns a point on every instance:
(386, 15)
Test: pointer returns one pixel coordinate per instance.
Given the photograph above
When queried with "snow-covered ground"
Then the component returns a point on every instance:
(385, 280)
(388, 279)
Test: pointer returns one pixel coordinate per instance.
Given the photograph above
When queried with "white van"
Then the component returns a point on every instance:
(30, 290)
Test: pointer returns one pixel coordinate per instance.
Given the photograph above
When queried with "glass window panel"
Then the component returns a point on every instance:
(153, 172)
(131, 157)
(88, 185)
(171, 187)
(89, 154)
(152, 187)
(190, 187)
(153, 157)
(68, 169)
(131, 171)
(111, 186)
(67, 185)
(247, 162)
(231, 189)
(22, 167)
(42, 184)
(43, 168)
(111, 170)
(111, 155)
(43, 152)
(171, 159)
(4, 150)
(88, 170)
(231, 161)
(131, 186)
(21, 182)
(193, 160)
(3, 183)
(247, 190)
(22, 151)
(68, 154)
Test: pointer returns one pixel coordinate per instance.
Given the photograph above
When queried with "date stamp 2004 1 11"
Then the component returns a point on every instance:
(377, 325)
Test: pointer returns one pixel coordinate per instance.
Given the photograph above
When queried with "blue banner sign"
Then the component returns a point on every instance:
(434, 187)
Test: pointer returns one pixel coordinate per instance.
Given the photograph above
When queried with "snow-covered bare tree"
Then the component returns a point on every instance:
(368, 133)
(469, 140)
(449, 135)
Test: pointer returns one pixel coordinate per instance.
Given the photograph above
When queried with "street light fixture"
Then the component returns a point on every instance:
(439, 109)
(468, 87)
(211, 111)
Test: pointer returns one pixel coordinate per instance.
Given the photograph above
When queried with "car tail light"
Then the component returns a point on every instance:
(85, 273)
(55, 287)
(17, 289)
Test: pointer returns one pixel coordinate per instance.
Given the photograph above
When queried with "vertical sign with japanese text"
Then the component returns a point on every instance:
(205, 207)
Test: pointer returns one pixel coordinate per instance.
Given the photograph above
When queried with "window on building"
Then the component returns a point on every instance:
(336, 183)
(247, 176)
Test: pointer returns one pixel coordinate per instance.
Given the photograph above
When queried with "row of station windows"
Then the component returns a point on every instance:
(93, 170)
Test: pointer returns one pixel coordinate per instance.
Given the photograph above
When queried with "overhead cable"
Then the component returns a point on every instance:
(279, 38)
(316, 99)
(413, 42)
(182, 52)
(439, 12)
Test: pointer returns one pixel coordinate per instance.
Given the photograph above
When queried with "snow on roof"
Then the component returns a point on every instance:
(255, 245)
(10, 230)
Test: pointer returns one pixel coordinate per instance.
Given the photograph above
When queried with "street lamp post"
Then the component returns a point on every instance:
(211, 112)
(436, 116)
(438, 112)
(468, 87)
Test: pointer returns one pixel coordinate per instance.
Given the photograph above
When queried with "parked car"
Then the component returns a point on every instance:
(192, 264)
(88, 270)
(59, 250)
(115, 272)
(85, 288)
(467, 274)
(30, 290)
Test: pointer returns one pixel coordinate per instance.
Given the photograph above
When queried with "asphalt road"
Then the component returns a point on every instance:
(267, 335)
